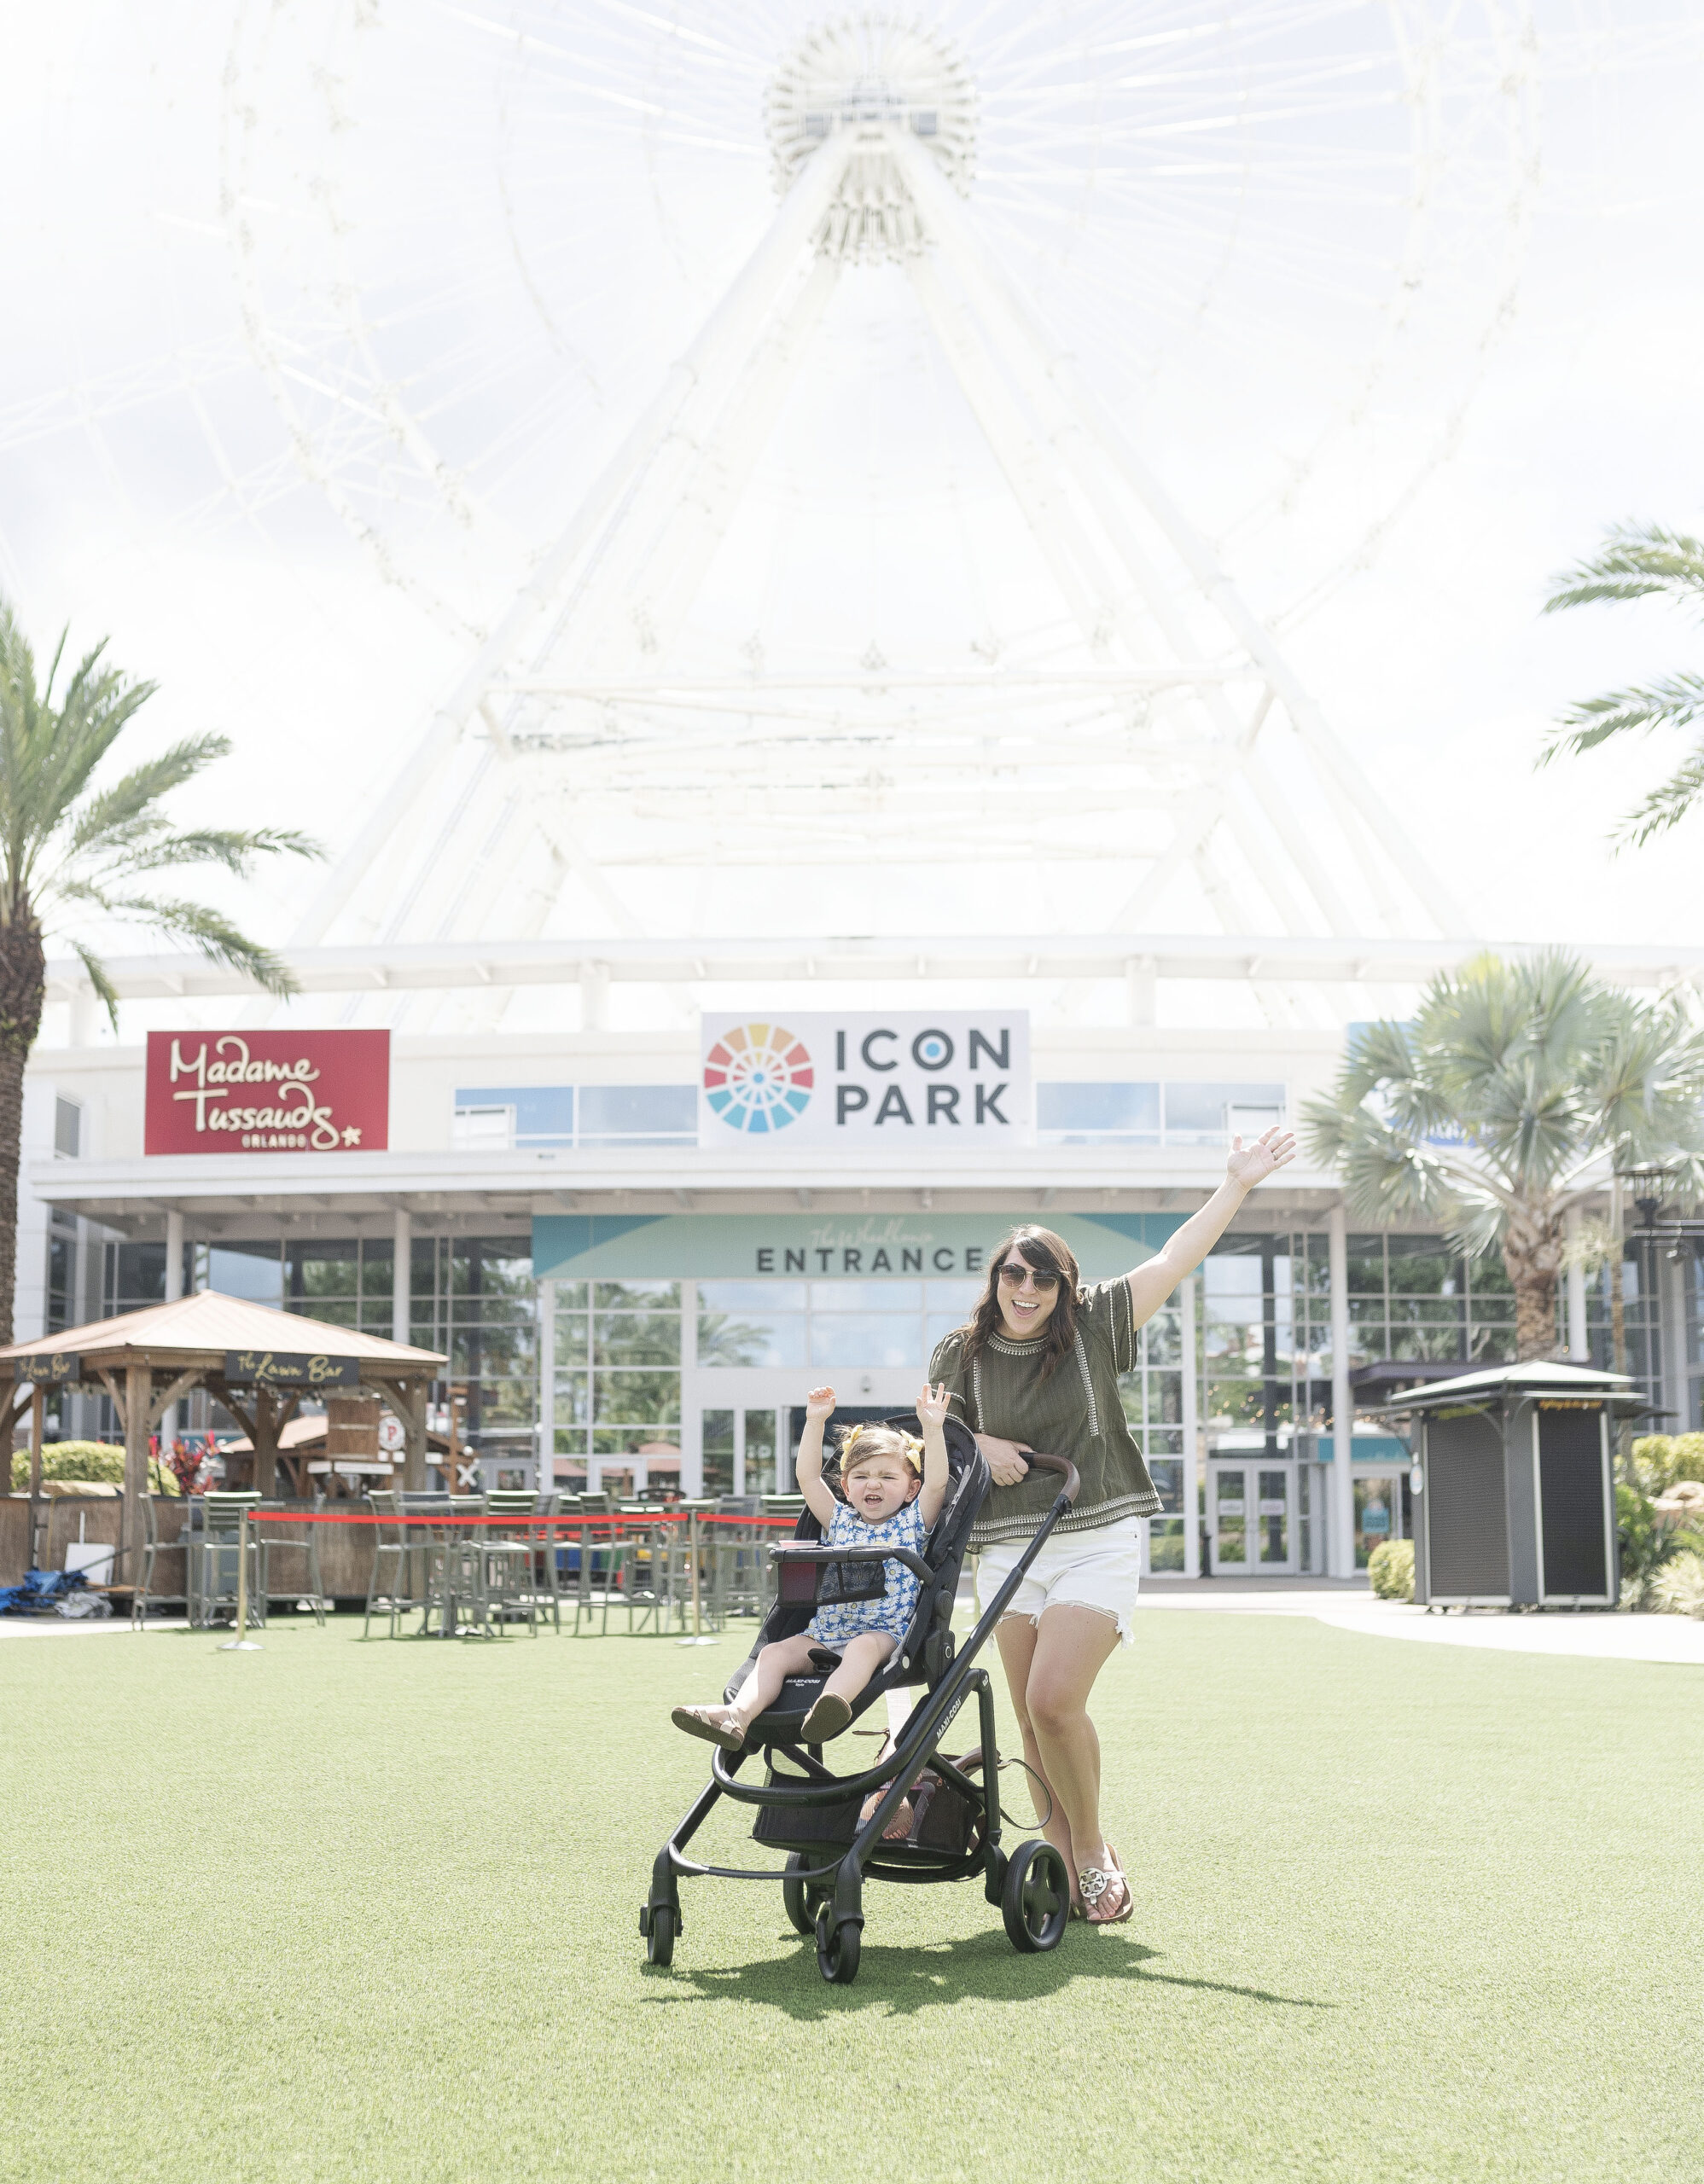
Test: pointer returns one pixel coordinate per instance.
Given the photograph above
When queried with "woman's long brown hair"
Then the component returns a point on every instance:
(1048, 1254)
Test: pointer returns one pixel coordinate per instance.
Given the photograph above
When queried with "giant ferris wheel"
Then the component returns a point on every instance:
(840, 443)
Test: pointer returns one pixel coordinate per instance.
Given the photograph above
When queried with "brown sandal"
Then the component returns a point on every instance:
(696, 1722)
(826, 1719)
(1097, 1885)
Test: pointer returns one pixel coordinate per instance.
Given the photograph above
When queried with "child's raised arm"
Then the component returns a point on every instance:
(819, 1408)
(933, 1406)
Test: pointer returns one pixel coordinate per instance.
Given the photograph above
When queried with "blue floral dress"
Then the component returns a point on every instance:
(837, 1621)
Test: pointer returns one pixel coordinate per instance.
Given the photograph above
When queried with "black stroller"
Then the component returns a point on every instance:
(812, 1813)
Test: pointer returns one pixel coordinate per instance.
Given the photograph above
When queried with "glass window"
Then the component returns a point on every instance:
(751, 1337)
(718, 1451)
(482, 1129)
(67, 1128)
(1167, 1474)
(844, 1338)
(1127, 1114)
(1165, 1545)
(637, 1296)
(866, 1296)
(635, 1338)
(637, 1114)
(252, 1271)
(539, 1116)
(1202, 1114)
(751, 1296)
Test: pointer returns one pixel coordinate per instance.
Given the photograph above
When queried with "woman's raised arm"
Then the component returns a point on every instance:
(1152, 1281)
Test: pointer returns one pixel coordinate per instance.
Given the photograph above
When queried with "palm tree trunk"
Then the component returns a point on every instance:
(23, 985)
(1533, 1247)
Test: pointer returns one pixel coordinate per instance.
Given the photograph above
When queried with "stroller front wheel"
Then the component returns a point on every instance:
(802, 1899)
(837, 1947)
(1036, 1900)
(660, 1937)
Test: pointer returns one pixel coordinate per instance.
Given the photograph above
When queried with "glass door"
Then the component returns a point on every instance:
(1251, 1530)
(1378, 1511)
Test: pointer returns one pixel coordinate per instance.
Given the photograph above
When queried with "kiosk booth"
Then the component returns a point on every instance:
(1515, 1501)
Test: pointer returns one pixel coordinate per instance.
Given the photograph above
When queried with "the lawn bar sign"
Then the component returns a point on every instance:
(268, 1092)
(908, 1081)
(48, 1368)
(309, 1370)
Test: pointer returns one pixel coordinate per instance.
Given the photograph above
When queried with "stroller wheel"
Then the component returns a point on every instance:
(659, 1939)
(803, 1900)
(1036, 1901)
(837, 1947)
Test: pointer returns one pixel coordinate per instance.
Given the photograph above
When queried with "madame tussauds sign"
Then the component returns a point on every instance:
(268, 1092)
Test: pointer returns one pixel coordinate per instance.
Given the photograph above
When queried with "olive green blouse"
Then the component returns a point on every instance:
(1075, 1412)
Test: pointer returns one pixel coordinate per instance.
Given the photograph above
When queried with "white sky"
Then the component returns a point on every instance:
(531, 241)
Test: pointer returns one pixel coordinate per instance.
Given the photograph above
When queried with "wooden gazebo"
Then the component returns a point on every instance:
(259, 1364)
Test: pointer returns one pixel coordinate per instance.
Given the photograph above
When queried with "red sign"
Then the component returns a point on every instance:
(268, 1092)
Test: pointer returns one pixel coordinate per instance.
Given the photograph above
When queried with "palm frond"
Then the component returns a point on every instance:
(105, 991)
(130, 798)
(235, 848)
(213, 934)
(1666, 806)
(1671, 701)
(1634, 561)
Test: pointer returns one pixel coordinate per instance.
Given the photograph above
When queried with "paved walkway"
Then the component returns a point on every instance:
(1349, 1605)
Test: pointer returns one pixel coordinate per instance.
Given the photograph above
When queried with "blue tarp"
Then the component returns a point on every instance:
(40, 1589)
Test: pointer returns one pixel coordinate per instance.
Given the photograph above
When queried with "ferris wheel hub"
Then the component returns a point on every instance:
(872, 73)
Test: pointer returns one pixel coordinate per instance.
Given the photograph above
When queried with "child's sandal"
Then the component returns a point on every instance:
(826, 1719)
(696, 1722)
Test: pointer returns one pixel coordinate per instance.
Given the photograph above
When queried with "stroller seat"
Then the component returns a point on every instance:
(926, 1651)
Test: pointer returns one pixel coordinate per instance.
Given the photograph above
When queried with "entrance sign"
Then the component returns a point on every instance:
(947, 1077)
(832, 1246)
(268, 1092)
(283, 1368)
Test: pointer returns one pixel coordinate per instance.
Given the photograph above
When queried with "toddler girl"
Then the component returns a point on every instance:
(890, 1501)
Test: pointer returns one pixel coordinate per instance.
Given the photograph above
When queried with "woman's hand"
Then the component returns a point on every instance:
(820, 1403)
(1249, 1165)
(933, 1405)
(1005, 1458)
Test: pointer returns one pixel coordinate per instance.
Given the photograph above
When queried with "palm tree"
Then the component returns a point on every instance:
(67, 847)
(1503, 1103)
(1639, 561)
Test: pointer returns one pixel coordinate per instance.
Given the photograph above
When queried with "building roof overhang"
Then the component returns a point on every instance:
(135, 1195)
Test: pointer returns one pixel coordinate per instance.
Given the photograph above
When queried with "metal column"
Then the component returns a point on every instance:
(1341, 1532)
(547, 1385)
(1192, 1491)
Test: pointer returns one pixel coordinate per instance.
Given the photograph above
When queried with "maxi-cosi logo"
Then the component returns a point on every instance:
(757, 1078)
(947, 1077)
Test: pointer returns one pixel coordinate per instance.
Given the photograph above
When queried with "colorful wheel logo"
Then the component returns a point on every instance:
(757, 1078)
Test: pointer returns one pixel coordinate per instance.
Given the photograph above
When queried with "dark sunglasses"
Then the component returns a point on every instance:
(1012, 1275)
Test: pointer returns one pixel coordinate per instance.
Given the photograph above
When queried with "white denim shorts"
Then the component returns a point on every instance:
(1101, 1570)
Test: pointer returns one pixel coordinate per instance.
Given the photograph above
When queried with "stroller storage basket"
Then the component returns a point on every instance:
(816, 1816)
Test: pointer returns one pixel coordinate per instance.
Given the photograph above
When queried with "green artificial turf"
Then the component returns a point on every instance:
(344, 1911)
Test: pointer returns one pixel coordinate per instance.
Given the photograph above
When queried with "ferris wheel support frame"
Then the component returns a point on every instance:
(945, 218)
(744, 304)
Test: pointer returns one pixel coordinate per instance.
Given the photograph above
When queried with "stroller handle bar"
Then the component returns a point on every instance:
(1063, 1464)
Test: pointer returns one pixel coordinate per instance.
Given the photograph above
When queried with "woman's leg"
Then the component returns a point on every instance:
(1050, 1669)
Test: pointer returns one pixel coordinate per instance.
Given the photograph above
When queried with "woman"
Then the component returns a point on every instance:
(1037, 1367)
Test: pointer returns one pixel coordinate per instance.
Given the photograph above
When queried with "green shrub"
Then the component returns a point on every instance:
(99, 1463)
(1677, 1588)
(1656, 1460)
(1391, 1567)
